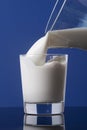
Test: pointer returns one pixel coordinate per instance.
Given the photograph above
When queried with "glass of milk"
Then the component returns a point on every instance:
(44, 85)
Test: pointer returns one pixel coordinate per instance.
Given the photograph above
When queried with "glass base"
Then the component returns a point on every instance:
(43, 108)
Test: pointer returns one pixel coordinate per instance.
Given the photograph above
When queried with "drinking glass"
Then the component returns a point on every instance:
(44, 86)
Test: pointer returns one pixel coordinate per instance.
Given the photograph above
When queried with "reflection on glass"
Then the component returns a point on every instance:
(72, 15)
(44, 122)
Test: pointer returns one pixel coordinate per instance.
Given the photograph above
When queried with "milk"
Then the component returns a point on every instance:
(67, 38)
(44, 81)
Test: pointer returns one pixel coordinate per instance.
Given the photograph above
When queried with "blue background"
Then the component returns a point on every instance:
(22, 22)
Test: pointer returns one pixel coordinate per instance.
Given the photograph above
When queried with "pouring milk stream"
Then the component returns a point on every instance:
(68, 38)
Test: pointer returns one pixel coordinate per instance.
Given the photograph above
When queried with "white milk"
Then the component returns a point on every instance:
(68, 38)
(45, 82)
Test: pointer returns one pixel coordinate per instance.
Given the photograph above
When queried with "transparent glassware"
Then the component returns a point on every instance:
(44, 86)
(67, 14)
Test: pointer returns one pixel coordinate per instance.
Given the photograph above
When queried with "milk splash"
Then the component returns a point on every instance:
(76, 37)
